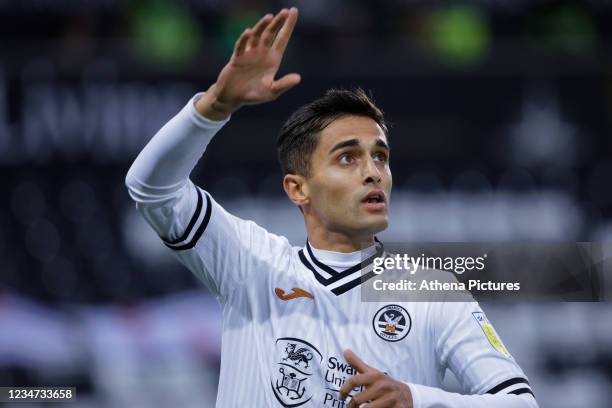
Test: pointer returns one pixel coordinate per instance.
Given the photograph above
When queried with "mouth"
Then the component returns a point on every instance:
(375, 200)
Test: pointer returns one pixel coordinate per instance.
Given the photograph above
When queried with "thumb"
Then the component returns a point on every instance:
(285, 83)
(355, 361)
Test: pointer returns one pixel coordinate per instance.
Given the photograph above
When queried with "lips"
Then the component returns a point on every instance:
(375, 201)
(375, 196)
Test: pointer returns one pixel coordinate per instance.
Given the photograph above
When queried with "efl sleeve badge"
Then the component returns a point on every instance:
(490, 333)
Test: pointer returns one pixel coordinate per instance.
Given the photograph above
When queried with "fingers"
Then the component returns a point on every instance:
(242, 42)
(282, 39)
(258, 30)
(267, 38)
(285, 83)
(382, 402)
(355, 361)
(269, 30)
(372, 393)
(357, 381)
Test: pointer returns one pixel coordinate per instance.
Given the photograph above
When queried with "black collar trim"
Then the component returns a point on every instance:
(340, 282)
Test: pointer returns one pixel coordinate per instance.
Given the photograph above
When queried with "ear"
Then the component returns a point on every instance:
(296, 188)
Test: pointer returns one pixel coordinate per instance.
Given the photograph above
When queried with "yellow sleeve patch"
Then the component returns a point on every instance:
(490, 333)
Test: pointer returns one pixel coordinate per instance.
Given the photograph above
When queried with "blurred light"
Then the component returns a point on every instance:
(35, 336)
(499, 216)
(556, 215)
(165, 33)
(460, 34)
(42, 240)
(474, 222)
(541, 136)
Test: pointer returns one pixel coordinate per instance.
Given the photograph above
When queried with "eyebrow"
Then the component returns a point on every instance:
(381, 143)
(355, 142)
(346, 143)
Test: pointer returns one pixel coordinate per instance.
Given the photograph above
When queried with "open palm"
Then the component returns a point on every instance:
(248, 78)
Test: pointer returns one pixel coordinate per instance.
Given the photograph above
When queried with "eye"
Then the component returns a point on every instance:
(382, 157)
(346, 159)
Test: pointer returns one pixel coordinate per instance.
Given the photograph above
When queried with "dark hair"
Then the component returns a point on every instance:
(299, 136)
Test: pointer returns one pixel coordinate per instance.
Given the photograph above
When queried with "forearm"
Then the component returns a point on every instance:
(165, 163)
(424, 397)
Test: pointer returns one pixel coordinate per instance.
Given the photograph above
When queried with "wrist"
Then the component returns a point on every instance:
(212, 107)
(415, 395)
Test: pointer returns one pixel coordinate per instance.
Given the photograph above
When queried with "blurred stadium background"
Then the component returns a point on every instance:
(501, 113)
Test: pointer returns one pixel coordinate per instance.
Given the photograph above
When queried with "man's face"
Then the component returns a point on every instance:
(350, 181)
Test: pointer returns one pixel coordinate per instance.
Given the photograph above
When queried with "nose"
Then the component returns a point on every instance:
(371, 172)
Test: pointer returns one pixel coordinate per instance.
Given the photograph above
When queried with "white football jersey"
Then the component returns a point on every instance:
(289, 314)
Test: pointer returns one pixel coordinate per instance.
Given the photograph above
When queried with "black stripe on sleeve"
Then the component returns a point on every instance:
(199, 231)
(192, 222)
(521, 391)
(506, 384)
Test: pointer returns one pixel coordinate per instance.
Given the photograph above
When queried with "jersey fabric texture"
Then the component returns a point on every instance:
(290, 312)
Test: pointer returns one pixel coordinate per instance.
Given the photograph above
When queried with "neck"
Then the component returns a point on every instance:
(337, 241)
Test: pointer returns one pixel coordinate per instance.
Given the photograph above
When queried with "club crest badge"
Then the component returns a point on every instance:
(392, 323)
(297, 360)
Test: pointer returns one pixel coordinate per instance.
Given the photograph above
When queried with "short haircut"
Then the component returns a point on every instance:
(299, 136)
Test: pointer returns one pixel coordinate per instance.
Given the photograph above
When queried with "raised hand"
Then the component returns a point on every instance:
(249, 76)
(381, 391)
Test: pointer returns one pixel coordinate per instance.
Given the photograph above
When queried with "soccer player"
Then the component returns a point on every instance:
(295, 331)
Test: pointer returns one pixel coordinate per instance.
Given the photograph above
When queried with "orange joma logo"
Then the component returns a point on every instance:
(297, 292)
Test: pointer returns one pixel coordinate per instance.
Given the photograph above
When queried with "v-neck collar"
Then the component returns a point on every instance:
(340, 281)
